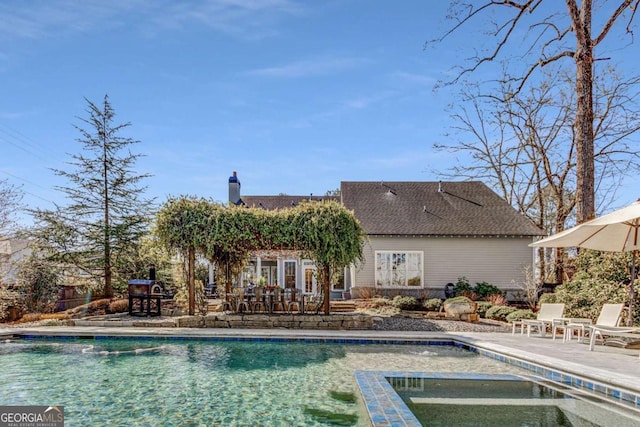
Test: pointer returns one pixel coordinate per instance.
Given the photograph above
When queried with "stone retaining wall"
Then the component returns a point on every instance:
(247, 321)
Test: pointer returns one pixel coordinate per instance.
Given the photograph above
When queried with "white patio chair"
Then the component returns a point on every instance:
(612, 331)
(546, 315)
(610, 315)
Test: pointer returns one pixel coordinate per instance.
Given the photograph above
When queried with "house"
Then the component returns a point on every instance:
(421, 236)
(12, 251)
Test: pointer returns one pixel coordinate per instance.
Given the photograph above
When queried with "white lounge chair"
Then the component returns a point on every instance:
(610, 315)
(546, 316)
(611, 331)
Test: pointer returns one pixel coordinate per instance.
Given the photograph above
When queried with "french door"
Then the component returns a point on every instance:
(310, 285)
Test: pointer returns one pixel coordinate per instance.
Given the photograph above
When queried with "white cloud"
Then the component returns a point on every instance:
(247, 19)
(309, 67)
(11, 115)
(413, 78)
(41, 19)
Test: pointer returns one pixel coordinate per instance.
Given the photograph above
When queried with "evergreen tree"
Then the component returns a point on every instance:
(107, 214)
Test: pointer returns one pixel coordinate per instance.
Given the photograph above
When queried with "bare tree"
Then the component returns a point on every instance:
(10, 204)
(525, 146)
(555, 34)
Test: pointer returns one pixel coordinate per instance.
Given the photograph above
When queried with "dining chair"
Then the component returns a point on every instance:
(292, 301)
(229, 301)
(258, 300)
(242, 303)
(277, 300)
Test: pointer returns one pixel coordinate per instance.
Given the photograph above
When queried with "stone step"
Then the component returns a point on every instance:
(336, 306)
(343, 306)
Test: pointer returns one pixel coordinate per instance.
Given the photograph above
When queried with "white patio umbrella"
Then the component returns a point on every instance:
(614, 232)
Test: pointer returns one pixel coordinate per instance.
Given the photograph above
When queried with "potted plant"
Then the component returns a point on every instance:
(262, 282)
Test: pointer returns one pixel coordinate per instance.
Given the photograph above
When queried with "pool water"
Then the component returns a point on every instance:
(505, 400)
(210, 383)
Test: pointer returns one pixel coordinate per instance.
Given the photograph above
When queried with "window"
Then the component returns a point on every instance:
(398, 269)
(337, 280)
(289, 274)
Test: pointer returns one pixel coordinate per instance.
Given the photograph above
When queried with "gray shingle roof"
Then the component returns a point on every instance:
(280, 202)
(418, 208)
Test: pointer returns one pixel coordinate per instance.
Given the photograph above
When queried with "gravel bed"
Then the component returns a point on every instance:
(415, 324)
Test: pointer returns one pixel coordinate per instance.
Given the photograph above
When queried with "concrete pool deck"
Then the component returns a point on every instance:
(607, 365)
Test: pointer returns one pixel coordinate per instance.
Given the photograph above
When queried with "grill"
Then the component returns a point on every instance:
(145, 292)
(143, 288)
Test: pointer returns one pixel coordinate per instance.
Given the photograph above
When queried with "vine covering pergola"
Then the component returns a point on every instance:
(323, 231)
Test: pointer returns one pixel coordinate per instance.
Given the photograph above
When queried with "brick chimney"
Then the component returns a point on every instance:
(234, 189)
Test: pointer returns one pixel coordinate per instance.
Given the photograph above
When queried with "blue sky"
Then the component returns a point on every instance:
(294, 95)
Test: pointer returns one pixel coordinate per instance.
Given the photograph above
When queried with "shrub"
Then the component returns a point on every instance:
(481, 290)
(484, 289)
(461, 285)
(432, 304)
(601, 278)
(497, 299)
(366, 292)
(118, 306)
(548, 298)
(10, 299)
(519, 315)
(483, 306)
(470, 294)
(380, 302)
(499, 312)
(457, 299)
(98, 305)
(405, 302)
(39, 282)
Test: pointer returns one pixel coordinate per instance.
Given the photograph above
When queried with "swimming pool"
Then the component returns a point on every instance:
(211, 382)
(497, 400)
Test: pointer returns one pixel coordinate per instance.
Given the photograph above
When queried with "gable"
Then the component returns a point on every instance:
(434, 209)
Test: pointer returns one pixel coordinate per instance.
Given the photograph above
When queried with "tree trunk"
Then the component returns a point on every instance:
(585, 196)
(108, 289)
(326, 287)
(192, 279)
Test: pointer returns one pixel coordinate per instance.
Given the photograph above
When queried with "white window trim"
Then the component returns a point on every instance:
(344, 283)
(397, 251)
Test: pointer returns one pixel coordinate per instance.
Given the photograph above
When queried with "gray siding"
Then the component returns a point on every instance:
(499, 261)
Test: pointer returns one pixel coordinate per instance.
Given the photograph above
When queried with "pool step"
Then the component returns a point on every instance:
(485, 401)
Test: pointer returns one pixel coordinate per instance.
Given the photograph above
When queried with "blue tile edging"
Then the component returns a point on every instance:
(604, 390)
(386, 408)
(384, 405)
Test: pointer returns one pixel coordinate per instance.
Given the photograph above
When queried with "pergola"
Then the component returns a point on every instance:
(323, 231)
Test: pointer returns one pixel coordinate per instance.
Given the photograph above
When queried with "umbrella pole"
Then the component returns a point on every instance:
(632, 291)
